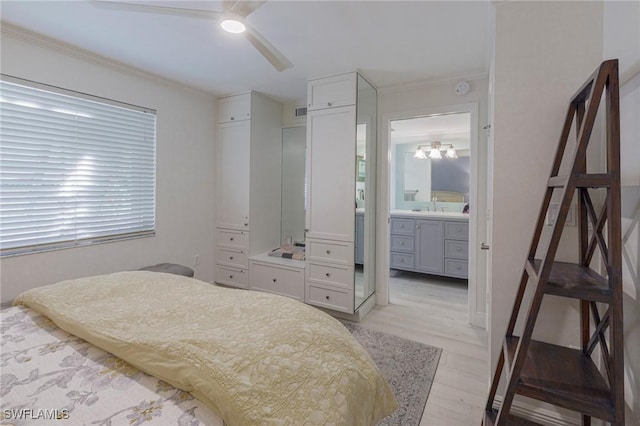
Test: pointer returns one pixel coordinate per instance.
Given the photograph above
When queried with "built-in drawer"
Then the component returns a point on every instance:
(402, 226)
(232, 257)
(456, 268)
(275, 279)
(330, 251)
(236, 277)
(402, 243)
(456, 230)
(233, 239)
(402, 261)
(456, 249)
(332, 299)
(334, 275)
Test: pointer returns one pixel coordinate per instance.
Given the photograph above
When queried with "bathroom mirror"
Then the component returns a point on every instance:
(421, 182)
(365, 199)
(294, 144)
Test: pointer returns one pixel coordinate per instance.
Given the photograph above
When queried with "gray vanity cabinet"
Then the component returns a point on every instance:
(429, 246)
(359, 239)
(437, 246)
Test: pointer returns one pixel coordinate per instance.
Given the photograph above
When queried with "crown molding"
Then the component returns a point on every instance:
(73, 51)
(438, 81)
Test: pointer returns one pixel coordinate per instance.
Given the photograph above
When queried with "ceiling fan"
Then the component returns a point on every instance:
(231, 18)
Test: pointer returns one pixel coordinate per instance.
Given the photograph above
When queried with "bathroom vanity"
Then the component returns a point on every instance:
(430, 242)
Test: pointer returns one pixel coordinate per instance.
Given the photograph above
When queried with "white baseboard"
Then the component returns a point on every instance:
(479, 319)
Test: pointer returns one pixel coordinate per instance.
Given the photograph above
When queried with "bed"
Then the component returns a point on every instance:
(154, 348)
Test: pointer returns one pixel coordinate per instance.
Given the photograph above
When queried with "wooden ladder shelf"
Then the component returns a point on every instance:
(555, 374)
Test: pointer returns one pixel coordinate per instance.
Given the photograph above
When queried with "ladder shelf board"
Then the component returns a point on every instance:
(576, 281)
(490, 420)
(585, 180)
(562, 376)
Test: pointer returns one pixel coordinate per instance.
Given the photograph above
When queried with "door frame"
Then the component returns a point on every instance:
(383, 205)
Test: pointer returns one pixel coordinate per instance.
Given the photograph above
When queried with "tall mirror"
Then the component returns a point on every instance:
(294, 144)
(365, 196)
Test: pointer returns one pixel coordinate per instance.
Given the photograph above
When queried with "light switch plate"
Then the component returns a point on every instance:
(552, 215)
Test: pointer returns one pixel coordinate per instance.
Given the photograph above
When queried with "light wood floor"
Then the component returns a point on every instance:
(434, 311)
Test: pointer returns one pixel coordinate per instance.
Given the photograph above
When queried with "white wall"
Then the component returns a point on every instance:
(622, 40)
(543, 52)
(185, 176)
(408, 101)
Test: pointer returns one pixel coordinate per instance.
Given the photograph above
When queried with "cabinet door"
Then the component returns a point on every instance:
(233, 175)
(331, 92)
(234, 108)
(331, 159)
(430, 246)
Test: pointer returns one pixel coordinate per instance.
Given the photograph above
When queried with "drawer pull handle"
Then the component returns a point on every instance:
(401, 260)
(233, 118)
(459, 229)
(328, 251)
(328, 275)
(329, 103)
(230, 257)
(231, 239)
(401, 243)
(459, 267)
(230, 277)
(402, 225)
(246, 224)
(459, 249)
(274, 280)
(327, 297)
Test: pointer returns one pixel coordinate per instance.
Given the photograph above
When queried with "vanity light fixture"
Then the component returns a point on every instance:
(420, 154)
(435, 153)
(451, 152)
(233, 26)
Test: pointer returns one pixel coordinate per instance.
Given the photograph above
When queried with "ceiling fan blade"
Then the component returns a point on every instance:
(137, 7)
(242, 8)
(271, 54)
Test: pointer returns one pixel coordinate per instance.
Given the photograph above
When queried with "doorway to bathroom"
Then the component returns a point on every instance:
(433, 211)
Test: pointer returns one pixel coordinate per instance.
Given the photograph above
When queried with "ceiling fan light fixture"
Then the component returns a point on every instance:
(233, 26)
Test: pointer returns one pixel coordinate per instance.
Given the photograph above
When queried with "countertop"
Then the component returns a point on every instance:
(265, 258)
(427, 214)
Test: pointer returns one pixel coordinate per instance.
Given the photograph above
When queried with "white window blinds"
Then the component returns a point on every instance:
(74, 169)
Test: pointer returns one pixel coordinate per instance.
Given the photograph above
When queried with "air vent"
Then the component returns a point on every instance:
(301, 112)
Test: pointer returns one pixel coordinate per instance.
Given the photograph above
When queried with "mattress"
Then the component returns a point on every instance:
(250, 357)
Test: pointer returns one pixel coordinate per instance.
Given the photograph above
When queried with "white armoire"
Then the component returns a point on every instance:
(248, 158)
(340, 153)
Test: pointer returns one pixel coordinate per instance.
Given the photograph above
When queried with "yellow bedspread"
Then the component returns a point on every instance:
(254, 358)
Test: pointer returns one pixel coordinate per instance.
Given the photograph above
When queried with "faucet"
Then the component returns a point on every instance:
(435, 204)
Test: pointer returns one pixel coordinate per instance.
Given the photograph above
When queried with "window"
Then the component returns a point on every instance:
(74, 169)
